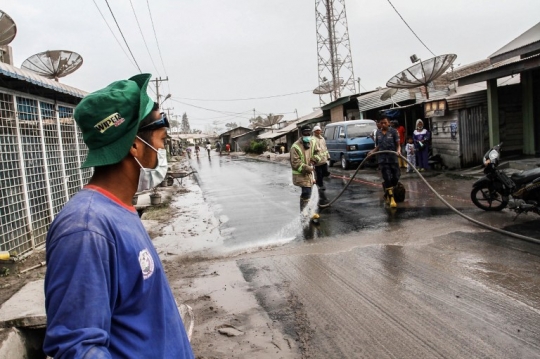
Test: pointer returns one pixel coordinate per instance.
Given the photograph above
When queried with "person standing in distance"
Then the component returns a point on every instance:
(421, 138)
(320, 157)
(387, 139)
(302, 169)
(106, 293)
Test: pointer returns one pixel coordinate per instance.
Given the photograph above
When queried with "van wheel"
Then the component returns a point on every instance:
(344, 163)
(331, 163)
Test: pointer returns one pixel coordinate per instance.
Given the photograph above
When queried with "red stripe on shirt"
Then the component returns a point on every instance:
(110, 196)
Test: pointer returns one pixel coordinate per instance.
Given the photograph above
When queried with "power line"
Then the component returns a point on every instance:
(144, 40)
(209, 109)
(112, 32)
(121, 33)
(157, 42)
(274, 113)
(410, 28)
(217, 117)
(245, 99)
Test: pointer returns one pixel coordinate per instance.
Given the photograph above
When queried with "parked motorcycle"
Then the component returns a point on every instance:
(495, 191)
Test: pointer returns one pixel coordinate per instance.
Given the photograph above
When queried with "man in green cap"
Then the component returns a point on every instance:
(106, 293)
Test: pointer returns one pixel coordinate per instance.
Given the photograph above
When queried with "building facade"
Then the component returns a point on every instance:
(41, 151)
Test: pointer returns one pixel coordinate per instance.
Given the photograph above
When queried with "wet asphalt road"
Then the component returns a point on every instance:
(369, 282)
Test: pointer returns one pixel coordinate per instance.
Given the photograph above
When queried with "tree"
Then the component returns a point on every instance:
(256, 122)
(217, 127)
(185, 124)
(231, 125)
(270, 120)
(208, 129)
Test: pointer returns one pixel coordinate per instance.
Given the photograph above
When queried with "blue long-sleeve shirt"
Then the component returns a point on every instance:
(106, 292)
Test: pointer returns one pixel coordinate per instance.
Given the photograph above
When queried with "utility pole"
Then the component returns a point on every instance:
(176, 119)
(168, 111)
(254, 114)
(158, 81)
(296, 113)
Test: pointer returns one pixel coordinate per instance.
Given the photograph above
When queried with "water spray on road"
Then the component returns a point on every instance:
(498, 230)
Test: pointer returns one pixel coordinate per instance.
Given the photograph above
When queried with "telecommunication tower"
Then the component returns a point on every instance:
(333, 51)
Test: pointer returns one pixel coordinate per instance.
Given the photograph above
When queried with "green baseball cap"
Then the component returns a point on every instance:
(109, 119)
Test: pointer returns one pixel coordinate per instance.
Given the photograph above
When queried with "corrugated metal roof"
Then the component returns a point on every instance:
(434, 94)
(293, 126)
(527, 38)
(373, 99)
(28, 76)
(476, 94)
(236, 128)
(339, 101)
(512, 61)
(467, 100)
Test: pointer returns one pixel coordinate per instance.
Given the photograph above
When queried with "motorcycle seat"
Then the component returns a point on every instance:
(525, 176)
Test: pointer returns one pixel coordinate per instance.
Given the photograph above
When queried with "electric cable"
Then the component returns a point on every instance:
(498, 230)
(245, 99)
(157, 43)
(112, 32)
(144, 39)
(218, 117)
(209, 109)
(414, 33)
(123, 37)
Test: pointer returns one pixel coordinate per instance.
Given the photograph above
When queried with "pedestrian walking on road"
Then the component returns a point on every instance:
(319, 157)
(208, 148)
(106, 293)
(228, 148)
(301, 165)
(387, 139)
(421, 138)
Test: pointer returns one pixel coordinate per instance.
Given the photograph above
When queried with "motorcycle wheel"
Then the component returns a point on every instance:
(488, 200)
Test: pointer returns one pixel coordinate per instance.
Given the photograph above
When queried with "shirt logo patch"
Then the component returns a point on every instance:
(147, 263)
(113, 120)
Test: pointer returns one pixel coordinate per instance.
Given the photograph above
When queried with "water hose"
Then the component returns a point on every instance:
(498, 230)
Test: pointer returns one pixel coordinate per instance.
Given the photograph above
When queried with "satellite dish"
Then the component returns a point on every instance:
(388, 94)
(8, 29)
(327, 87)
(53, 64)
(422, 73)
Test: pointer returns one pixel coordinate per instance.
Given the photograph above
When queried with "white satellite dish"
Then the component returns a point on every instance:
(327, 87)
(388, 94)
(421, 74)
(8, 29)
(53, 64)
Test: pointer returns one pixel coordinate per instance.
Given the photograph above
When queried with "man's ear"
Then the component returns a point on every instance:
(136, 148)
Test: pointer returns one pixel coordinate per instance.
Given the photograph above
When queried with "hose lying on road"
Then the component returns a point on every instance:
(498, 230)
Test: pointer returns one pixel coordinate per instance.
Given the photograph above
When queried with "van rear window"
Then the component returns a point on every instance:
(360, 130)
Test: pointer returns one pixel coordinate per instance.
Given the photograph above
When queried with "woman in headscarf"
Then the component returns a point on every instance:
(421, 137)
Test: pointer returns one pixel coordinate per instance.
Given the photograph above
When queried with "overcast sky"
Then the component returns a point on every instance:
(219, 50)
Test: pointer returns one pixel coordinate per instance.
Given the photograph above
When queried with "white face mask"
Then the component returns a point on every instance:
(148, 177)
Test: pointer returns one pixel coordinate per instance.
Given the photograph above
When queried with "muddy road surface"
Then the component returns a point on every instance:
(368, 282)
